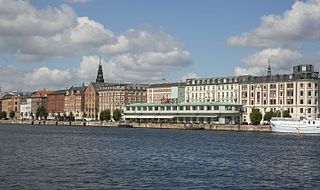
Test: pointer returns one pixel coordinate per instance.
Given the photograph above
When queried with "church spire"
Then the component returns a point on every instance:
(100, 73)
(269, 68)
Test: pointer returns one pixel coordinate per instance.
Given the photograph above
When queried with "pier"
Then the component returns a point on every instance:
(209, 127)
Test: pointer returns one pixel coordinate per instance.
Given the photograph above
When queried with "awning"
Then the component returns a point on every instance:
(146, 116)
(165, 116)
(130, 116)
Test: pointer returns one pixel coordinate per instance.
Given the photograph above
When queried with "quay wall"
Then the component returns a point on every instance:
(209, 127)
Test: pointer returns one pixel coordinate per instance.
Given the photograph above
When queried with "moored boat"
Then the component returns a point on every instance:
(292, 125)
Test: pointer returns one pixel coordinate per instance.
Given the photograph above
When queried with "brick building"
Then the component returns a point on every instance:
(55, 101)
(74, 101)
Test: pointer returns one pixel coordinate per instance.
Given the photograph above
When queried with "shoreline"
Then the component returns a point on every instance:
(209, 127)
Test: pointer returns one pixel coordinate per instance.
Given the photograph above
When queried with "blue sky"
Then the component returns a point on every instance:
(145, 41)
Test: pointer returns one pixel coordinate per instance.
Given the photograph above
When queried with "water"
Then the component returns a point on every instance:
(56, 157)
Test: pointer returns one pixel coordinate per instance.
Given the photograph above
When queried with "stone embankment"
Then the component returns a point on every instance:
(210, 127)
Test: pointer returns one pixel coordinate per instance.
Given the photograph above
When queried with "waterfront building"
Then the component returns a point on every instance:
(39, 98)
(11, 102)
(55, 103)
(186, 112)
(297, 92)
(25, 109)
(74, 101)
(116, 96)
(91, 96)
(166, 92)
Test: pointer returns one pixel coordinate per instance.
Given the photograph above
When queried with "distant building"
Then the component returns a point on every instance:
(25, 109)
(39, 98)
(186, 112)
(297, 92)
(10, 103)
(55, 101)
(166, 93)
(74, 101)
(116, 96)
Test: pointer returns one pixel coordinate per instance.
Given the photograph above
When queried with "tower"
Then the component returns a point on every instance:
(100, 73)
(269, 68)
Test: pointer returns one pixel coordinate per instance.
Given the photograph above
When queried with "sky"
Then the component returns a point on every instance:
(55, 44)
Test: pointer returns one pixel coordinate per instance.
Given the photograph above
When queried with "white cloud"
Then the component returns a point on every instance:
(281, 62)
(288, 30)
(31, 34)
(44, 77)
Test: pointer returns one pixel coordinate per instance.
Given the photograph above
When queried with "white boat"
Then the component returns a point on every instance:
(292, 125)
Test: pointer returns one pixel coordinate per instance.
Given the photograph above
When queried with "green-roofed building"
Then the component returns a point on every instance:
(186, 112)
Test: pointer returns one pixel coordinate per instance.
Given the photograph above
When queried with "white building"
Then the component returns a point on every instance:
(25, 109)
(166, 92)
(297, 92)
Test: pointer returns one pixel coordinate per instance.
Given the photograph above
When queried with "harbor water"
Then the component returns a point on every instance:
(59, 157)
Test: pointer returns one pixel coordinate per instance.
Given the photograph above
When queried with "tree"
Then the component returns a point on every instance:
(42, 112)
(3, 115)
(105, 115)
(12, 114)
(70, 116)
(255, 116)
(117, 114)
(268, 115)
(286, 113)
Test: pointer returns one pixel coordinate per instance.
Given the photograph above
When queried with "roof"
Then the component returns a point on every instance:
(187, 104)
(81, 88)
(58, 92)
(162, 85)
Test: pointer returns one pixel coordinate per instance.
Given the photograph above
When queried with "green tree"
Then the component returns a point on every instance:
(268, 115)
(12, 114)
(42, 112)
(3, 115)
(105, 115)
(117, 114)
(255, 116)
(286, 113)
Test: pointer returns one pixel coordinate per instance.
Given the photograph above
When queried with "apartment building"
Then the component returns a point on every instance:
(297, 92)
(166, 93)
(116, 96)
(74, 101)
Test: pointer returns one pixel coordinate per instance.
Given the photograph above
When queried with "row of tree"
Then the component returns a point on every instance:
(256, 116)
(105, 115)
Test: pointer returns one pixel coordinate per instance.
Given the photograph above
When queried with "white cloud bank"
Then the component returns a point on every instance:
(280, 37)
(32, 35)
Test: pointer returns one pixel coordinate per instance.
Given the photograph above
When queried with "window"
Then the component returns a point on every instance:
(290, 85)
(301, 93)
(180, 107)
(301, 101)
(301, 110)
(216, 107)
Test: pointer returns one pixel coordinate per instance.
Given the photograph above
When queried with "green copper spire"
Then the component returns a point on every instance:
(269, 68)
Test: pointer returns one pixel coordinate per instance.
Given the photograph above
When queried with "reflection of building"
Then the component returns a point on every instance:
(74, 101)
(200, 112)
(56, 103)
(166, 92)
(297, 92)
(116, 96)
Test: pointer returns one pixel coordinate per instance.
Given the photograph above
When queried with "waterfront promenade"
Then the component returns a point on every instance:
(211, 127)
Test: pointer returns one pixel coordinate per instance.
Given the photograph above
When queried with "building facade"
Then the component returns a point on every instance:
(11, 103)
(55, 103)
(166, 92)
(116, 96)
(39, 98)
(186, 112)
(297, 92)
(25, 109)
(74, 101)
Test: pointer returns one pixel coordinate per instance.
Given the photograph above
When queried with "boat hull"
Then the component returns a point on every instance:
(282, 127)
